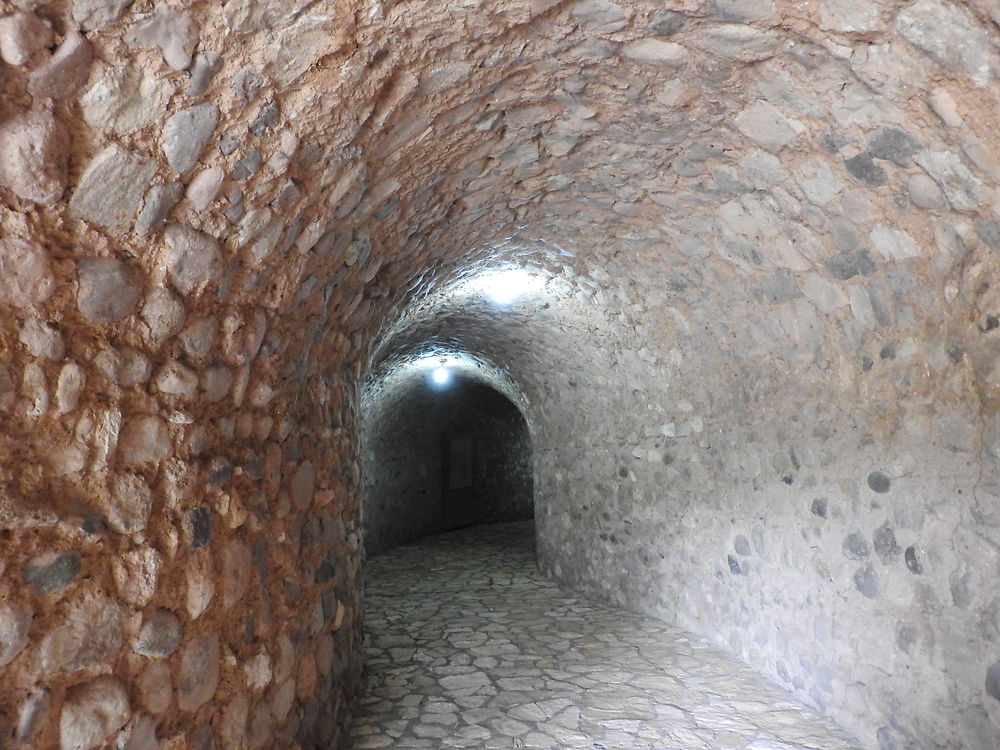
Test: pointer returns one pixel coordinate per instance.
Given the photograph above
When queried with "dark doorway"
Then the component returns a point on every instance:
(459, 506)
(443, 458)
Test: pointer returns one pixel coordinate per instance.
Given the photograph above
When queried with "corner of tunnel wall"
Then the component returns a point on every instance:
(833, 525)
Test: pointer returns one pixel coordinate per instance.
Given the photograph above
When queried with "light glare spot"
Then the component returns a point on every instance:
(506, 286)
(441, 375)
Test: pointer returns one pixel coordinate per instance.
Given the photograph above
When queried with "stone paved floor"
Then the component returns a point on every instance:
(468, 646)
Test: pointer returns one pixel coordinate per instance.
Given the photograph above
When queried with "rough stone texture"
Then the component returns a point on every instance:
(156, 207)
(92, 713)
(172, 31)
(559, 672)
(21, 36)
(110, 189)
(198, 675)
(123, 99)
(185, 134)
(25, 272)
(65, 72)
(96, 14)
(15, 622)
(52, 571)
(34, 155)
(89, 634)
(108, 289)
(160, 635)
(194, 258)
(683, 356)
(144, 439)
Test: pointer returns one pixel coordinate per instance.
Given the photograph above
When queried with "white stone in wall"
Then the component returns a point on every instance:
(108, 289)
(129, 504)
(216, 382)
(21, 36)
(65, 72)
(185, 134)
(194, 259)
(200, 587)
(15, 621)
(163, 312)
(850, 15)
(96, 14)
(655, 51)
(87, 635)
(951, 35)
(144, 439)
(766, 126)
(198, 337)
(125, 98)
(154, 687)
(205, 187)
(175, 379)
(198, 674)
(172, 31)
(25, 272)
(111, 188)
(136, 573)
(738, 42)
(69, 387)
(945, 107)
(924, 192)
(92, 713)
(33, 157)
(818, 181)
(827, 296)
(34, 391)
(603, 15)
(962, 188)
(893, 244)
(42, 339)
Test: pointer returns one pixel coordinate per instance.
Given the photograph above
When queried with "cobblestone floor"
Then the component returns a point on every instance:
(468, 646)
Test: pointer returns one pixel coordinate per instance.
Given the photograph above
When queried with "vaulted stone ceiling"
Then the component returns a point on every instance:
(767, 233)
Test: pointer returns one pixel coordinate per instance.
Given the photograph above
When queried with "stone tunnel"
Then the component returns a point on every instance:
(757, 349)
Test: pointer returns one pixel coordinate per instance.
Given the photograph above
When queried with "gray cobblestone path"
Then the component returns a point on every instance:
(468, 646)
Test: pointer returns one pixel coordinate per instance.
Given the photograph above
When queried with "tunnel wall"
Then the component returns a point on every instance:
(837, 530)
(405, 430)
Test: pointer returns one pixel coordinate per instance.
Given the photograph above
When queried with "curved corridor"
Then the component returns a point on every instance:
(467, 646)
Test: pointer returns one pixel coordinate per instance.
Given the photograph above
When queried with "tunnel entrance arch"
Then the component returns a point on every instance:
(442, 455)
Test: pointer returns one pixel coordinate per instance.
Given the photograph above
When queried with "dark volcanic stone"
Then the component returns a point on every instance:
(666, 22)
(856, 547)
(866, 581)
(989, 232)
(52, 571)
(200, 519)
(885, 544)
(893, 144)
(879, 482)
(819, 507)
(865, 169)
(734, 565)
(993, 681)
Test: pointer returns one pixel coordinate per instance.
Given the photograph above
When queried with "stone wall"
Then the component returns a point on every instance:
(765, 345)
(404, 436)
